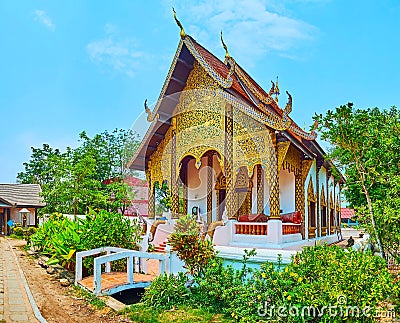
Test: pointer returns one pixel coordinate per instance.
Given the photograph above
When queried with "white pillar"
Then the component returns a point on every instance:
(274, 235)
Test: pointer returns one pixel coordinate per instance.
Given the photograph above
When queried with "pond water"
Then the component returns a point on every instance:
(130, 296)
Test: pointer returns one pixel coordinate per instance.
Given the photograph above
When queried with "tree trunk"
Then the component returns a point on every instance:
(371, 213)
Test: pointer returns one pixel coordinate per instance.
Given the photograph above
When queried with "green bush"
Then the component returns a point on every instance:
(30, 231)
(190, 247)
(319, 276)
(167, 291)
(60, 238)
(18, 231)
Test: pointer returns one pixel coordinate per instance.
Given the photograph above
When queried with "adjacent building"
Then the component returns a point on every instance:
(19, 203)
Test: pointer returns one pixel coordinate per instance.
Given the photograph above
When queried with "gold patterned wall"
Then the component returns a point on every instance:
(199, 120)
(200, 117)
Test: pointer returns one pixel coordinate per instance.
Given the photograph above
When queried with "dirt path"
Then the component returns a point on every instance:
(56, 303)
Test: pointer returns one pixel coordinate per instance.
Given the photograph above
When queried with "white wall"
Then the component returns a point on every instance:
(197, 187)
(287, 191)
(16, 216)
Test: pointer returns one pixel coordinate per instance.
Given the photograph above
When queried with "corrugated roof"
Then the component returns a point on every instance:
(346, 213)
(22, 194)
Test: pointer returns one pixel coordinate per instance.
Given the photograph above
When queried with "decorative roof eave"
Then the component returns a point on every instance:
(266, 100)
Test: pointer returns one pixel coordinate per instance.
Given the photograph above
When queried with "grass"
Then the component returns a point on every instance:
(88, 297)
(139, 313)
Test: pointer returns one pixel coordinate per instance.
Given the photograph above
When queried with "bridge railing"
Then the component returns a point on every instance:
(113, 254)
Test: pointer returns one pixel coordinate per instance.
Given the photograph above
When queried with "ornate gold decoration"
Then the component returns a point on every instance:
(299, 199)
(151, 196)
(288, 107)
(200, 118)
(224, 83)
(322, 198)
(274, 200)
(209, 187)
(174, 182)
(252, 145)
(161, 160)
(260, 190)
(243, 187)
(220, 183)
(266, 99)
(242, 178)
(230, 190)
(150, 115)
(305, 168)
(337, 204)
(272, 89)
(311, 198)
(282, 148)
(310, 192)
(182, 32)
(292, 161)
(225, 47)
(276, 91)
(185, 192)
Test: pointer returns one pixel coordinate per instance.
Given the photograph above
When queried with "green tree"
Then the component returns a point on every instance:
(366, 143)
(75, 181)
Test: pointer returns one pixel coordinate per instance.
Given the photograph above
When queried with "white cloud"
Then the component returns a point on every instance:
(250, 27)
(121, 54)
(42, 17)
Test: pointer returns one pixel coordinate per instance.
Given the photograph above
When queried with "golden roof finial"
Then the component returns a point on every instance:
(276, 92)
(225, 47)
(182, 33)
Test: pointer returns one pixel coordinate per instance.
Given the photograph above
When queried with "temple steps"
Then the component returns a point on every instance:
(162, 247)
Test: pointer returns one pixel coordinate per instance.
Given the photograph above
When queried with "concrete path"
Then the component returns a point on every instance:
(14, 302)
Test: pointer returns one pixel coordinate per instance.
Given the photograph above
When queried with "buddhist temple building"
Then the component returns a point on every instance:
(232, 156)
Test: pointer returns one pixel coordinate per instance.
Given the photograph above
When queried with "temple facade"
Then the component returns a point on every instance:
(234, 158)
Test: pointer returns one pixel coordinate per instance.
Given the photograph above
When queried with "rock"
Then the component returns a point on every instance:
(50, 270)
(64, 282)
(42, 263)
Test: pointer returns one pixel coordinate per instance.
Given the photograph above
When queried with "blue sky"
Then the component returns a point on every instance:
(69, 66)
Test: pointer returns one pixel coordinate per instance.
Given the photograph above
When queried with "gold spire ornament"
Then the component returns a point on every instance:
(276, 91)
(182, 33)
(227, 56)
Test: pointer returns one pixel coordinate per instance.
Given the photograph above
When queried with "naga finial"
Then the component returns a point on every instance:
(272, 90)
(314, 127)
(227, 56)
(182, 33)
(148, 111)
(288, 107)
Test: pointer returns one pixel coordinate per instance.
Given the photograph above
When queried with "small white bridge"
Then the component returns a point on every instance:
(107, 282)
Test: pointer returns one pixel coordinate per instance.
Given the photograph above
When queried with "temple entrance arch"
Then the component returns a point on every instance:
(199, 176)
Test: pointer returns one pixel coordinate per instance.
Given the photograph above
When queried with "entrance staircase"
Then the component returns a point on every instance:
(161, 248)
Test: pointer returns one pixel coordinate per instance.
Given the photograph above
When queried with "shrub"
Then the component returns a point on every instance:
(18, 231)
(167, 291)
(190, 247)
(30, 231)
(59, 237)
(319, 276)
